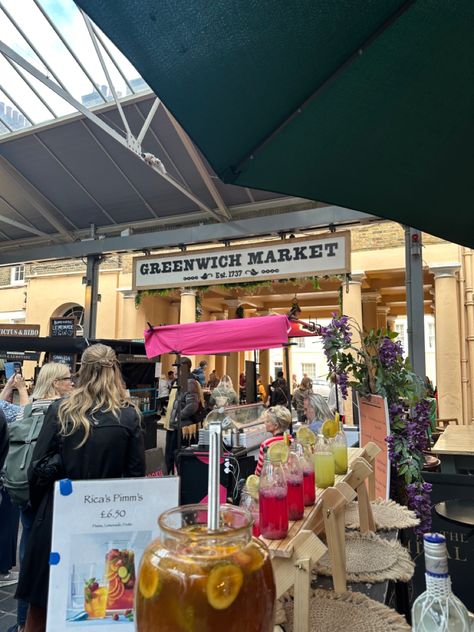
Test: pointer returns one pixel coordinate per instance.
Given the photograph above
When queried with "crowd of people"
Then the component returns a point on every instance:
(86, 427)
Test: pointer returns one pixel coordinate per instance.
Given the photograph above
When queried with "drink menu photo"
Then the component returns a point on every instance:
(100, 530)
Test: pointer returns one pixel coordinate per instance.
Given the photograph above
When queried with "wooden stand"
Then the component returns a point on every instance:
(356, 477)
(369, 453)
(295, 571)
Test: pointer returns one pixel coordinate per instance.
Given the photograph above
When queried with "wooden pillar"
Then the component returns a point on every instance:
(448, 348)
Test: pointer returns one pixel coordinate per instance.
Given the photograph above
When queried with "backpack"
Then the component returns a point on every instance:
(23, 436)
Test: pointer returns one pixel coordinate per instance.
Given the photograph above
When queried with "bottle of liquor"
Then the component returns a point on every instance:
(438, 609)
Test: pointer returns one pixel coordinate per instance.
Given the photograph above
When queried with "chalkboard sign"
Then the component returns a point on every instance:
(62, 326)
(64, 358)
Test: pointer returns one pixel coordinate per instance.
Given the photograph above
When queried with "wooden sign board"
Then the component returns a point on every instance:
(22, 331)
(374, 426)
(62, 327)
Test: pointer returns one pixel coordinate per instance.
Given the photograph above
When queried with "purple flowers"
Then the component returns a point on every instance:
(390, 352)
(419, 500)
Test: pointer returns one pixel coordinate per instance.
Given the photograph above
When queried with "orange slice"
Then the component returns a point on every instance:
(223, 585)
(250, 559)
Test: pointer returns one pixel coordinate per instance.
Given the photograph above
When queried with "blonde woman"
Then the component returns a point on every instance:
(277, 420)
(93, 434)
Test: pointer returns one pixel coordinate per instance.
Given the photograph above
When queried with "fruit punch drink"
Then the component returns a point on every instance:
(295, 499)
(120, 573)
(273, 514)
(95, 599)
(195, 580)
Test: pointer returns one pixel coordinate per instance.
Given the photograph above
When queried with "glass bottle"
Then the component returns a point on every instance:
(195, 579)
(438, 609)
(309, 479)
(324, 468)
(249, 501)
(273, 499)
(339, 450)
(294, 484)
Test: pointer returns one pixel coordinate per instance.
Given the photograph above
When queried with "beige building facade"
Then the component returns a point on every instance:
(374, 295)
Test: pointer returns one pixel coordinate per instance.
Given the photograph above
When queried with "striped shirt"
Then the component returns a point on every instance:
(267, 442)
(38, 406)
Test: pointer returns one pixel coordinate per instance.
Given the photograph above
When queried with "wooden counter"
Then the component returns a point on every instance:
(455, 448)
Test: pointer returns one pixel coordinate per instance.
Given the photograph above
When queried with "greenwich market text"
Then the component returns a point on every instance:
(234, 260)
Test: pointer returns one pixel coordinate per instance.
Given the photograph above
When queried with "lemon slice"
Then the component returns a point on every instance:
(305, 436)
(278, 451)
(329, 428)
(149, 582)
(223, 585)
(252, 484)
(250, 559)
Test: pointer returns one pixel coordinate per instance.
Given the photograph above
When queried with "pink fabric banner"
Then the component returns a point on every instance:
(218, 336)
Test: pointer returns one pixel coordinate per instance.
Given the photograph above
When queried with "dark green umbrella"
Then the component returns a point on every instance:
(366, 104)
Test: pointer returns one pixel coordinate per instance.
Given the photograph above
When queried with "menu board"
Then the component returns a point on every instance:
(62, 327)
(64, 358)
(374, 425)
(100, 531)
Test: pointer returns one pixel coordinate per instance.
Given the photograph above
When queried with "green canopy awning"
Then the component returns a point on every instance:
(366, 104)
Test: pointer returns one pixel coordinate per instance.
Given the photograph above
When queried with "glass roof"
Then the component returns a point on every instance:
(53, 37)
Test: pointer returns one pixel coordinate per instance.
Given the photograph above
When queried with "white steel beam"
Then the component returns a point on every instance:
(200, 166)
(154, 107)
(151, 160)
(37, 199)
(27, 229)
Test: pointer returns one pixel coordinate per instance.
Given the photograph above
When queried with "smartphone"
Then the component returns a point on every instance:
(11, 368)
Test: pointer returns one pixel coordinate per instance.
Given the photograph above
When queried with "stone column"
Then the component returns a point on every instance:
(382, 316)
(391, 322)
(369, 310)
(352, 307)
(187, 311)
(167, 359)
(264, 366)
(221, 360)
(448, 342)
(233, 359)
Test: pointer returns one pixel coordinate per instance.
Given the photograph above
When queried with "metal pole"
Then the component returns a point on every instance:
(92, 295)
(414, 298)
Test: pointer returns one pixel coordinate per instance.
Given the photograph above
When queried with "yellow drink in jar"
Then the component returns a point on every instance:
(324, 469)
(95, 604)
(340, 458)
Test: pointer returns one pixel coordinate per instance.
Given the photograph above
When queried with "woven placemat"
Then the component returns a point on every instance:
(347, 611)
(387, 515)
(370, 558)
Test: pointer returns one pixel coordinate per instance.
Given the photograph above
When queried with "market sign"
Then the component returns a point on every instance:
(19, 356)
(323, 255)
(23, 331)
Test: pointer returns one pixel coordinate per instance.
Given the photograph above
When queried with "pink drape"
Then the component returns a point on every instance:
(218, 336)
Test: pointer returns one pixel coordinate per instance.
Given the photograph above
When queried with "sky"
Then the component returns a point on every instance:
(69, 21)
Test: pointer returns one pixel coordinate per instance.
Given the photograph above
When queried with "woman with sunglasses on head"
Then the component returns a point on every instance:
(93, 434)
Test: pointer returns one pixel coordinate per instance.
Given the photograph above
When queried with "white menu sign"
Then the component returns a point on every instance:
(322, 255)
(100, 530)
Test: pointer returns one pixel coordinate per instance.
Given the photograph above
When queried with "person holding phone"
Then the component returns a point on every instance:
(10, 410)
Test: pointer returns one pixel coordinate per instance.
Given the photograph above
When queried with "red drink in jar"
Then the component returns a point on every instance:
(295, 498)
(309, 487)
(273, 513)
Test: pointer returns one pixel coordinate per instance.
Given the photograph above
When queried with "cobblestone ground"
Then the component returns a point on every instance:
(7, 607)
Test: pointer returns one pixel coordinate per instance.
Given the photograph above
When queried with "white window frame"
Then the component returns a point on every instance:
(311, 373)
(17, 271)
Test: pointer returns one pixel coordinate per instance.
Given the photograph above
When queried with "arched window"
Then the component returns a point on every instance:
(78, 312)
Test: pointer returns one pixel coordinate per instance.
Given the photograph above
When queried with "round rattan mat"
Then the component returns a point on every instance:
(387, 515)
(370, 558)
(348, 611)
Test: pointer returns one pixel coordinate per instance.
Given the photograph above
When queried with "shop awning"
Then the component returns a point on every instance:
(367, 105)
(218, 336)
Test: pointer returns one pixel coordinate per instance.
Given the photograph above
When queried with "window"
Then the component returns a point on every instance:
(78, 312)
(300, 342)
(309, 368)
(400, 328)
(277, 366)
(17, 275)
(431, 336)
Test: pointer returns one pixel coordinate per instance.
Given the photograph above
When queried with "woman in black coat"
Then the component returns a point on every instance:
(94, 434)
